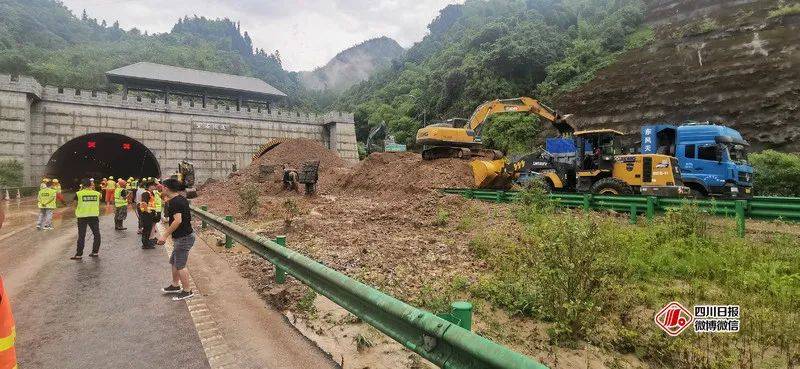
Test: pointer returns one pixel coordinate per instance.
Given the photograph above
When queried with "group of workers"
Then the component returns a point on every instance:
(152, 200)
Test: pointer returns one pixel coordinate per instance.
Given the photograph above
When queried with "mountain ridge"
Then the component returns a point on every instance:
(352, 65)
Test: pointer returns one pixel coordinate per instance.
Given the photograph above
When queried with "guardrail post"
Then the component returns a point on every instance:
(462, 311)
(651, 207)
(203, 224)
(740, 229)
(587, 205)
(634, 216)
(280, 274)
(228, 238)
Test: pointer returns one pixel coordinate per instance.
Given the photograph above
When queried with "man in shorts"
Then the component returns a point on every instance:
(180, 228)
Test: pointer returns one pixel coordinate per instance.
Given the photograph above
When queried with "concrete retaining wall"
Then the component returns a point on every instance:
(35, 121)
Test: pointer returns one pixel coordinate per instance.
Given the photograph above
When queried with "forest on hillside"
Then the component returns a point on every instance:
(476, 51)
(44, 39)
(483, 50)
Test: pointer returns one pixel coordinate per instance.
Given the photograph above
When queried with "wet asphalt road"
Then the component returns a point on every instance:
(95, 313)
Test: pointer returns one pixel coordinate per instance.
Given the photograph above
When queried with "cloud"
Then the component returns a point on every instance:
(307, 32)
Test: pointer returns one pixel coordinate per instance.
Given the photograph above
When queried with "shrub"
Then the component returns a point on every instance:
(784, 10)
(248, 199)
(776, 173)
(11, 172)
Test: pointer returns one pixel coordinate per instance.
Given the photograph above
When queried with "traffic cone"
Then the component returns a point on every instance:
(7, 197)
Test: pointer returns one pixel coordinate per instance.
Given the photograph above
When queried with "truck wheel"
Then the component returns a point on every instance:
(611, 186)
(696, 194)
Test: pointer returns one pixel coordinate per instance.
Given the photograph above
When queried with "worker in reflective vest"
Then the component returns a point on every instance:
(46, 203)
(146, 213)
(59, 195)
(110, 187)
(8, 334)
(120, 205)
(87, 212)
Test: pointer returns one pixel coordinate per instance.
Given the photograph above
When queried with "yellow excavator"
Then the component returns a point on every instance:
(461, 138)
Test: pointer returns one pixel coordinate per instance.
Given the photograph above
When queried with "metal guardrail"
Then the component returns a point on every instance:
(442, 342)
(759, 207)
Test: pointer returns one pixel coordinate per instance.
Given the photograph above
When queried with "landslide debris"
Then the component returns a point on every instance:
(385, 175)
(406, 172)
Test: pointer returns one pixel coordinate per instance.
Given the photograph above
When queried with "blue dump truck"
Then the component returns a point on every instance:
(712, 158)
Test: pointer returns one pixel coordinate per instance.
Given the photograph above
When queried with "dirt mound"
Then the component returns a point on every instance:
(406, 172)
(267, 171)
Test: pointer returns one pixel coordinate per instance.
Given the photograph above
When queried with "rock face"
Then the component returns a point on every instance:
(353, 65)
(733, 62)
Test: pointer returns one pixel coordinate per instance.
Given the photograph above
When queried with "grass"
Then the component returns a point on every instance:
(598, 279)
(642, 37)
(306, 303)
(784, 10)
(442, 217)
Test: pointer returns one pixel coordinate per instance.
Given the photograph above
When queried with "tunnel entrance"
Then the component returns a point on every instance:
(99, 155)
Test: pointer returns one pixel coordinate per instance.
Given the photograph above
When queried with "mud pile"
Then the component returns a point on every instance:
(266, 171)
(406, 172)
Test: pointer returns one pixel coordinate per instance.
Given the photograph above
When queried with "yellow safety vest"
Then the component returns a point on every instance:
(47, 198)
(119, 200)
(88, 203)
(158, 205)
(110, 185)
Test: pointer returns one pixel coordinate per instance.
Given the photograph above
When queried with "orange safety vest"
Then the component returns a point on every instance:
(8, 334)
(150, 205)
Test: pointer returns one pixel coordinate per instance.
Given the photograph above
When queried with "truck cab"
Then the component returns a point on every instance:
(712, 158)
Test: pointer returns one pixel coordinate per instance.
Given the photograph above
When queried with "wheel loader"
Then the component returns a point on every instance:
(597, 166)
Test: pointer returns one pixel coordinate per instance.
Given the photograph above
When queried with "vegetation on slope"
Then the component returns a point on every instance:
(593, 278)
(484, 50)
(44, 39)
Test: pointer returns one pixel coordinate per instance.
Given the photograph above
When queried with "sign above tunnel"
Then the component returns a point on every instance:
(212, 126)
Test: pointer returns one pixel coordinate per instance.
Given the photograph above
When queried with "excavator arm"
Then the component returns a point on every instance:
(522, 105)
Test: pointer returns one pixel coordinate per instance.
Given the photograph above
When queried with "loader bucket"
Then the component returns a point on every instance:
(490, 174)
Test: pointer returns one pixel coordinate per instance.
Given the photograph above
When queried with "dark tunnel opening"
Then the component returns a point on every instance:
(99, 155)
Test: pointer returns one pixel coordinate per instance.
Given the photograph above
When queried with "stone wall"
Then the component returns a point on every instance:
(35, 121)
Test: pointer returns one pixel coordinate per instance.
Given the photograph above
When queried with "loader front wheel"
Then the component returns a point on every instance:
(611, 186)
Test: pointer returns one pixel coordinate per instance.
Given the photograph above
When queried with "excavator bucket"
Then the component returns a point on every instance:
(490, 174)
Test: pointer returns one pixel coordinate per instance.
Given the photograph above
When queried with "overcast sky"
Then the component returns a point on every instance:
(307, 32)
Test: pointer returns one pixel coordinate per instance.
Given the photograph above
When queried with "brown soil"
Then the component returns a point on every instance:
(742, 72)
(386, 174)
(406, 172)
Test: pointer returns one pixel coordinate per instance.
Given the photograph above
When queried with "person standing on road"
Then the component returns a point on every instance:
(47, 203)
(87, 212)
(180, 228)
(110, 187)
(137, 198)
(120, 205)
(146, 207)
(59, 195)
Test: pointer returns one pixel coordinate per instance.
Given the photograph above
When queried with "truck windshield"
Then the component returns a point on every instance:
(737, 153)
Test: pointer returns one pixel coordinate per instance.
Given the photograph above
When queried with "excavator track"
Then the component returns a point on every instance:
(442, 152)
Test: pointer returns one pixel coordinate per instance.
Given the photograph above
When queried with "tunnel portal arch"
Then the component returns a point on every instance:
(99, 155)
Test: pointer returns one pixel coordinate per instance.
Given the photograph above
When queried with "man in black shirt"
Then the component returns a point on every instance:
(180, 228)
